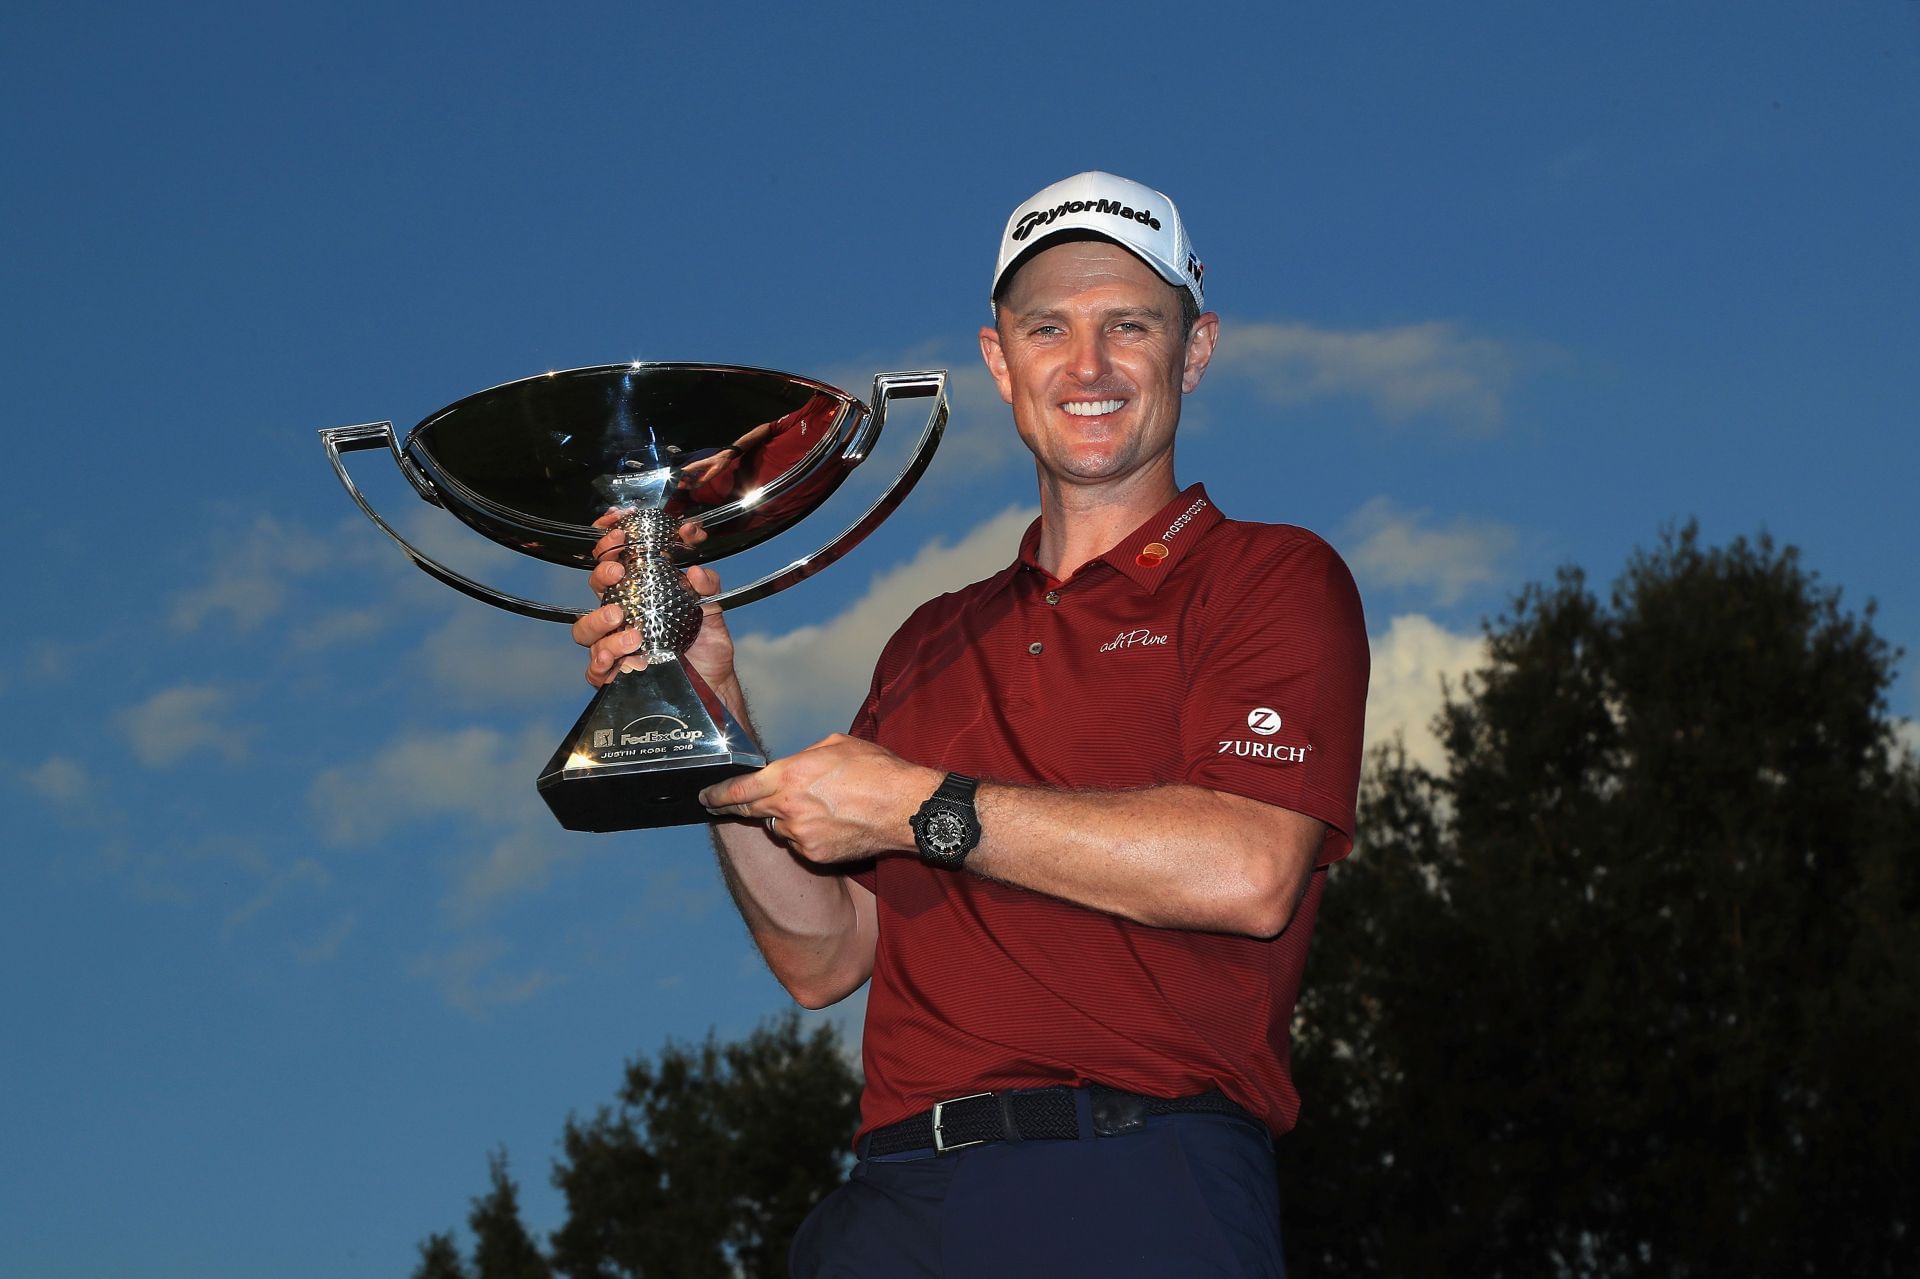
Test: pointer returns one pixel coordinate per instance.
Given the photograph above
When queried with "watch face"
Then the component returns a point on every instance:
(945, 831)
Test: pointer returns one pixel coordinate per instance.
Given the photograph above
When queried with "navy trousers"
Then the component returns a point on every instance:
(1188, 1195)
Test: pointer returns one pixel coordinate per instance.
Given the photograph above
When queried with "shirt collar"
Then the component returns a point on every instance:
(1149, 553)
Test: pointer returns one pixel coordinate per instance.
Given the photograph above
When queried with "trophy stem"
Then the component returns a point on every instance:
(652, 594)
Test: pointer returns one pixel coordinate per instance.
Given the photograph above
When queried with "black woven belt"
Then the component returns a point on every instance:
(1033, 1114)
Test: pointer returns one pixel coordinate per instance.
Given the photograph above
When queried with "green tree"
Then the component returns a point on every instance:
(502, 1248)
(710, 1159)
(705, 1166)
(439, 1259)
(1634, 985)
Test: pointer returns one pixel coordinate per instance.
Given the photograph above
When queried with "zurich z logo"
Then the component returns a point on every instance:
(1263, 720)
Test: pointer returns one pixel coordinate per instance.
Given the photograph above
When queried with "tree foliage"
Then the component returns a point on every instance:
(705, 1165)
(1634, 986)
(439, 1259)
(502, 1248)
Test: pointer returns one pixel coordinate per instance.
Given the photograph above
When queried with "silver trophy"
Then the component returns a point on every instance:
(700, 461)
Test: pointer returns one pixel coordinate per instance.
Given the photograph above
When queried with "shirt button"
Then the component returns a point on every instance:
(1053, 597)
(1035, 647)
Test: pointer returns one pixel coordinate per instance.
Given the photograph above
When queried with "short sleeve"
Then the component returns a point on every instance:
(1276, 702)
(866, 721)
(866, 725)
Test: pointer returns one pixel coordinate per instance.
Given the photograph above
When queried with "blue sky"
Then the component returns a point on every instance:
(291, 942)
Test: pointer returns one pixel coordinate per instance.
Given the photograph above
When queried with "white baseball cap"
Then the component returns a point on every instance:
(1135, 217)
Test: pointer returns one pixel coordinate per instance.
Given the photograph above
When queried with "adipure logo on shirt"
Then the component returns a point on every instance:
(1264, 721)
(1139, 637)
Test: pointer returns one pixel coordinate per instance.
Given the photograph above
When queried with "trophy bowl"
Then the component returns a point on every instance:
(702, 461)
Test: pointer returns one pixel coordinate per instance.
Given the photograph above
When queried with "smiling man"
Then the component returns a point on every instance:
(1077, 834)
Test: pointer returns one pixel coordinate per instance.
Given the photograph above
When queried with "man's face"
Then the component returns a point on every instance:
(1090, 354)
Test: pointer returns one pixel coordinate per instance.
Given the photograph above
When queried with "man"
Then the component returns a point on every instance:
(1084, 963)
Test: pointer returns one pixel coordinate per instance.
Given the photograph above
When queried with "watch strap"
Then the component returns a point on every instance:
(958, 788)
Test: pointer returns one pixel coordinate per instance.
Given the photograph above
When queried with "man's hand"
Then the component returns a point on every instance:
(704, 470)
(841, 799)
(611, 644)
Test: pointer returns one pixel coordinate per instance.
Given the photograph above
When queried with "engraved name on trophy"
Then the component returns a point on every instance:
(701, 461)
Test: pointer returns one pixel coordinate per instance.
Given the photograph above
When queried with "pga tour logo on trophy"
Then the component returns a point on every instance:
(695, 462)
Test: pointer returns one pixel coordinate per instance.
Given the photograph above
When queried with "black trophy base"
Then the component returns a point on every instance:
(646, 747)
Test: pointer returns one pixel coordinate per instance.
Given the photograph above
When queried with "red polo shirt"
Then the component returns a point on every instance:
(1200, 650)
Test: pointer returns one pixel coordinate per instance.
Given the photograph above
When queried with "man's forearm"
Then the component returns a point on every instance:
(814, 926)
(1174, 856)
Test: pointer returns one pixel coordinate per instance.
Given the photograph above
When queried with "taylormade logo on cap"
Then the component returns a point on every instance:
(1137, 218)
(1039, 217)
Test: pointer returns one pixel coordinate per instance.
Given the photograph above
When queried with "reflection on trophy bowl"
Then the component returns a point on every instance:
(702, 461)
(529, 464)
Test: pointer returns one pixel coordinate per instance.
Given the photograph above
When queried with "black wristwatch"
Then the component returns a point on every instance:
(946, 828)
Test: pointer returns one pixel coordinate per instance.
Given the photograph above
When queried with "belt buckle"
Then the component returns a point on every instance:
(940, 1144)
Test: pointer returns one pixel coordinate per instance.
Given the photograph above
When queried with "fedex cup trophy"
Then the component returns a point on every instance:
(697, 461)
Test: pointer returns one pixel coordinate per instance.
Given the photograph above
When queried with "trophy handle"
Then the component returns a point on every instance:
(372, 435)
(887, 387)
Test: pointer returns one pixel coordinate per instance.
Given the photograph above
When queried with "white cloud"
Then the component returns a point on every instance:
(47, 662)
(520, 861)
(302, 874)
(1403, 695)
(1402, 372)
(328, 944)
(478, 773)
(1392, 549)
(504, 841)
(178, 721)
(248, 582)
(339, 626)
(809, 682)
(676, 892)
(267, 571)
(1906, 729)
(469, 977)
(440, 536)
(486, 658)
(59, 779)
(979, 437)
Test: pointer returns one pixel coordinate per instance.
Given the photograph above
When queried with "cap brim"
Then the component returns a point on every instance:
(1072, 233)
